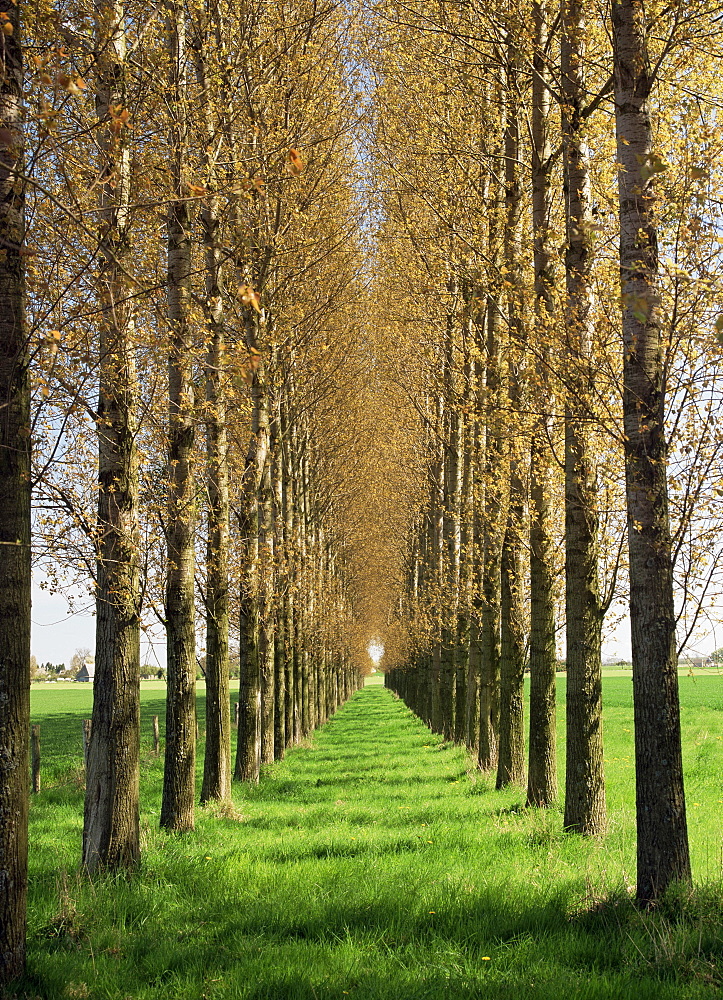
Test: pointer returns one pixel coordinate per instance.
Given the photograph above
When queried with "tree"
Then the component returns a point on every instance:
(14, 507)
(584, 780)
(179, 773)
(662, 851)
(542, 770)
(217, 759)
(111, 815)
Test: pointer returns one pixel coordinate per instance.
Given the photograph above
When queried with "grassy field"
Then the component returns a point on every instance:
(373, 863)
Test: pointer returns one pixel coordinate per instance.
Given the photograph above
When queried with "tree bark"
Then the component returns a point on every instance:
(542, 768)
(287, 482)
(662, 852)
(266, 598)
(179, 776)
(14, 514)
(217, 759)
(585, 811)
(450, 524)
(505, 544)
(280, 640)
(111, 813)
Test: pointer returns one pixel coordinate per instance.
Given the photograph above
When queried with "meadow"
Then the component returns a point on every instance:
(374, 862)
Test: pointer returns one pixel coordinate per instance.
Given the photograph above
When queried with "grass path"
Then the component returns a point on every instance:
(370, 865)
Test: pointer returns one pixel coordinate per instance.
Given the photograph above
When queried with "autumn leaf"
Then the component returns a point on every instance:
(53, 338)
(119, 117)
(249, 297)
(250, 366)
(295, 164)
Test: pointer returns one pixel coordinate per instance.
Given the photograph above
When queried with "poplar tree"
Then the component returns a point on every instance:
(584, 779)
(179, 775)
(111, 817)
(662, 847)
(14, 507)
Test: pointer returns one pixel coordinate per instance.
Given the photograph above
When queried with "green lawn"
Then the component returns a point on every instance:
(373, 863)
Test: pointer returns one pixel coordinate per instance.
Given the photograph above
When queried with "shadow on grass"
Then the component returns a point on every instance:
(296, 903)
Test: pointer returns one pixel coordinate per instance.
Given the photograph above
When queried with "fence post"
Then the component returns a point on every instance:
(156, 735)
(235, 714)
(35, 750)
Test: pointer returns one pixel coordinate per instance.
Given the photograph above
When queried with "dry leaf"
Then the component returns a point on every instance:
(295, 165)
(249, 297)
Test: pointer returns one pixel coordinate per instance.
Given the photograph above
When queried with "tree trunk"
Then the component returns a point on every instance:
(584, 779)
(542, 770)
(450, 527)
(266, 600)
(248, 747)
(14, 515)
(466, 513)
(280, 643)
(504, 543)
(287, 482)
(111, 813)
(217, 760)
(179, 776)
(437, 575)
(663, 855)
(248, 750)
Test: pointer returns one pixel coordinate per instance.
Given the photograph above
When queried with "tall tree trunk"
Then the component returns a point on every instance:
(542, 769)
(248, 749)
(111, 814)
(179, 776)
(248, 746)
(14, 513)
(500, 735)
(266, 599)
(450, 526)
(437, 575)
(301, 687)
(663, 854)
(280, 641)
(307, 595)
(466, 514)
(287, 482)
(217, 759)
(584, 779)
(504, 547)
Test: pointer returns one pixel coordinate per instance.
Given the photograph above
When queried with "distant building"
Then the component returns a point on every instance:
(697, 662)
(87, 671)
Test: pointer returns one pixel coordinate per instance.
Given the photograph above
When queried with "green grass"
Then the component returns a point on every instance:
(373, 863)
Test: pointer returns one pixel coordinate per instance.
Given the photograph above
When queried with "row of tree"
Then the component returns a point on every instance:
(177, 255)
(310, 315)
(535, 165)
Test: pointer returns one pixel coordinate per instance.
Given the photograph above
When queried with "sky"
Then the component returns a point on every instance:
(58, 632)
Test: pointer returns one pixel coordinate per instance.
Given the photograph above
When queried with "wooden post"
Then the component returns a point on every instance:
(35, 753)
(235, 714)
(87, 723)
(156, 736)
